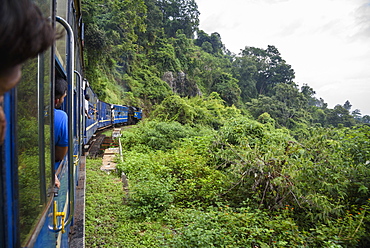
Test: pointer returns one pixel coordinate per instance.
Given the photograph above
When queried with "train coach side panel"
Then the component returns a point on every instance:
(119, 114)
(104, 113)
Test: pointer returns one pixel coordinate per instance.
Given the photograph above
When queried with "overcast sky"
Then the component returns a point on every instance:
(327, 42)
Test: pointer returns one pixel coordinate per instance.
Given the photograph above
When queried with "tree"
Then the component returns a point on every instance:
(340, 115)
(146, 85)
(356, 114)
(309, 94)
(184, 50)
(153, 22)
(244, 69)
(366, 119)
(228, 88)
(286, 106)
(164, 57)
(179, 14)
(111, 29)
(210, 44)
(321, 103)
(207, 47)
(272, 69)
(347, 105)
(290, 96)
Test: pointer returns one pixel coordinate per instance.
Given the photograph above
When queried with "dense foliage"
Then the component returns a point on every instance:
(140, 52)
(245, 183)
(232, 152)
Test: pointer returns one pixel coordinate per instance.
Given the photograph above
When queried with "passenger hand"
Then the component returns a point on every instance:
(57, 182)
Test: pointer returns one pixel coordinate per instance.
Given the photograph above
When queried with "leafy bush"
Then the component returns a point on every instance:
(182, 177)
(149, 196)
(210, 112)
(158, 135)
(227, 227)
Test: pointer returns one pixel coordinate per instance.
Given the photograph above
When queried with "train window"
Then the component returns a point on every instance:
(60, 50)
(33, 135)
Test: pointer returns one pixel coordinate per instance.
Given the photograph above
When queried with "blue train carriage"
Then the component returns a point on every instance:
(92, 105)
(134, 115)
(119, 114)
(33, 213)
(104, 115)
(138, 114)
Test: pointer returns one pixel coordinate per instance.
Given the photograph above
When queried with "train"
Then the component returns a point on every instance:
(33, 211)
(103, 114)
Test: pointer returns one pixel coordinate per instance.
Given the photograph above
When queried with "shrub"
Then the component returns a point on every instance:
(158, 135)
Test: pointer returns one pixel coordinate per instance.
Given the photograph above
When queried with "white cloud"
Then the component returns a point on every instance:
(325, 41)
(363, 21)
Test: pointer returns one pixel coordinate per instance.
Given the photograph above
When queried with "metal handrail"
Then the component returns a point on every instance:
(79, 114)
(70, 74)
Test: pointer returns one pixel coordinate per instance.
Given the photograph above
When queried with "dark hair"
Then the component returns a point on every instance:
(61, 87)
(87, 97)
(24, 32)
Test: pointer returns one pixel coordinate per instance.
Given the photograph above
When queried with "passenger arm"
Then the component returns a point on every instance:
(60, 152)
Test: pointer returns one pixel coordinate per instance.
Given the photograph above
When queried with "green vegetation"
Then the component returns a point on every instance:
(140, 52)
(231, 152)
(246, 183)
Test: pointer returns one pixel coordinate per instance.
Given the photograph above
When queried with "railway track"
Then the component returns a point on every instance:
(99, 142)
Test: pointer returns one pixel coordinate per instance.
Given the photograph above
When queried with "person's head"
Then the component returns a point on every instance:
(24, 33)
(87, 97)
(61, 87)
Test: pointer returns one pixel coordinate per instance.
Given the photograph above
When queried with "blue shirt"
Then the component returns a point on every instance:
(60, 130)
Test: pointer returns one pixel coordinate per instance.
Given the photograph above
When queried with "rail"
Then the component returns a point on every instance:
(70, 73)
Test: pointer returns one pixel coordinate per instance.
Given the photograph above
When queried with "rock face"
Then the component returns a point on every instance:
(180, 84)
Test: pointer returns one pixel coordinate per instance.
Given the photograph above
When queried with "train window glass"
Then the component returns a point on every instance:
(32, 190)
(33, 138)
(60, 50)
(45, 110)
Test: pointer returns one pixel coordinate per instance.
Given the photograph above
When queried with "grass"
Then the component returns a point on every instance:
(108, 133)
(107, 221)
